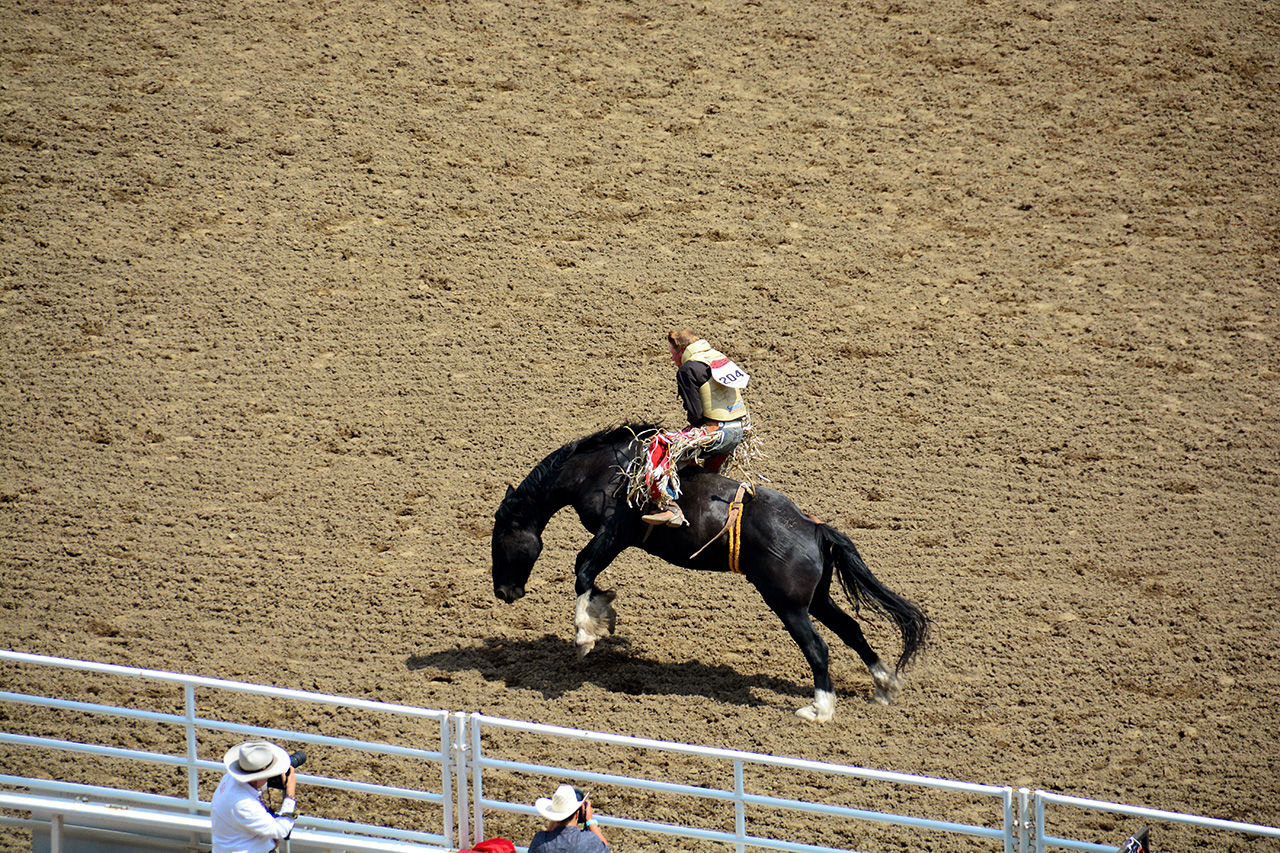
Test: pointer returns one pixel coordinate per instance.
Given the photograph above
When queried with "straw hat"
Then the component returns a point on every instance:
(255, 760)
(563, 803)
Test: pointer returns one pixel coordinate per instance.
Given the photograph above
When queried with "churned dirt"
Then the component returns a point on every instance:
(290, 290)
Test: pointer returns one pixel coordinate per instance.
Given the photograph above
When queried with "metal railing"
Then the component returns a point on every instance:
(472, 757)
(170, 830)
(1039, 801)
(192, 723)
(736, 799)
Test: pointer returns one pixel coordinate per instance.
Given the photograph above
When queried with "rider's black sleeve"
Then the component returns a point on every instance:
(691, 376)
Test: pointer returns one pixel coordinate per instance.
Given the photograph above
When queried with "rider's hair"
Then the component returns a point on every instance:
(681, 338)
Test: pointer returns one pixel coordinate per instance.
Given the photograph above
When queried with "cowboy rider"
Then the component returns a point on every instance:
(710, 388)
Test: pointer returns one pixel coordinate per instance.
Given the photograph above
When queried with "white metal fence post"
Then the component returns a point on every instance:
(193, 752)
(477, 782)
(1010, 820)
(1039, 819)
(446, 777)
(739, 807)
(463, 771)
(1024, 820)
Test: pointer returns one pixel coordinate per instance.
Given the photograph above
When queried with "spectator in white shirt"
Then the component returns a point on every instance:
(241, 821)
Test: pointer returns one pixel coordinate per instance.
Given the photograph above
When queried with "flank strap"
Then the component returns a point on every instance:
(732, 526)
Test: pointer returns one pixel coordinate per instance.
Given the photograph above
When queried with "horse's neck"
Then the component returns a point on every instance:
(540, 507)
(569, 486)
(546, 510)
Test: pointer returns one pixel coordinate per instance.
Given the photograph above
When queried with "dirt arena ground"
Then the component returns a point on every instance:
(290, 290)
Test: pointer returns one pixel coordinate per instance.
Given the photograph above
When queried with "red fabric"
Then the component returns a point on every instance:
(659, 460)
(492, 845)
(715, 463)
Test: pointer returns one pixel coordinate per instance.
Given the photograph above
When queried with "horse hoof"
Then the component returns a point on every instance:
(594, 618)
(810, 713)
(509, 593)
(822, 709)
(888, 685)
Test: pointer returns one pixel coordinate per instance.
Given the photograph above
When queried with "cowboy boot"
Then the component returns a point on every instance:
(670, 515)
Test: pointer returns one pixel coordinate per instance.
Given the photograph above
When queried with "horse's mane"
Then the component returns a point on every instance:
(612, 436)
(534, 484)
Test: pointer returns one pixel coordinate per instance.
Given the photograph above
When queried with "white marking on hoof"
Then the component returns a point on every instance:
(888, 685)
(594, 618)
(822, 709)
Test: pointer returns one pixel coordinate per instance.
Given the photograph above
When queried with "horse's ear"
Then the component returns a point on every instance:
(510, 490)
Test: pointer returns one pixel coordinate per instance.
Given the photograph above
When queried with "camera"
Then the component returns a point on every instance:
(296, 760)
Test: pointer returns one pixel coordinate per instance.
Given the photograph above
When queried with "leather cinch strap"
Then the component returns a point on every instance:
(733, 525)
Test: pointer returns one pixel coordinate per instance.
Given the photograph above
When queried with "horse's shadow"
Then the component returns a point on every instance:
(551, 666)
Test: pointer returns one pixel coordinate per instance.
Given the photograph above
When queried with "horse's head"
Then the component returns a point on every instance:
(517, 542)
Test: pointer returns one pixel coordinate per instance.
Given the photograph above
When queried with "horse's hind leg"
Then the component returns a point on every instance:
(815, 652)
(826, 611)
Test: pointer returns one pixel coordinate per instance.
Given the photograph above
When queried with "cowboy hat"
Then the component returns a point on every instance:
(255, 760)
(562, 804)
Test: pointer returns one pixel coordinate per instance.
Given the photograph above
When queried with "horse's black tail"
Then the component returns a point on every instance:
(862, 587)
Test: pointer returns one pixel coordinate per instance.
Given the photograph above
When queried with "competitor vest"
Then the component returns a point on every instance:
(720, 402)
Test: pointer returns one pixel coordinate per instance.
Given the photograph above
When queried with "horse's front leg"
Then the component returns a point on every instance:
(593, 616)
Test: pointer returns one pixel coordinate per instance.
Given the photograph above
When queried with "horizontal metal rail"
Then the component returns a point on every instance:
(223, 684)
(462, 760)
(192, 723)
(732, 754)
(141, 820)
(77, 791)
(1045, 842)
(479, 762)
(722, 837)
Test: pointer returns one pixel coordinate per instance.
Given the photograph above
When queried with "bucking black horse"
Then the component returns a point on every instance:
(787, 555)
